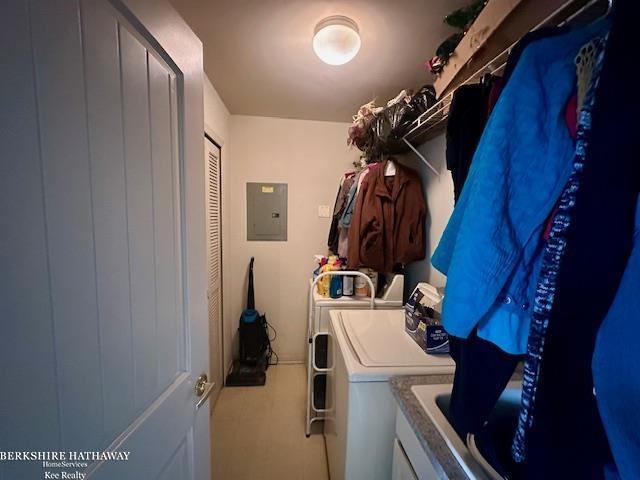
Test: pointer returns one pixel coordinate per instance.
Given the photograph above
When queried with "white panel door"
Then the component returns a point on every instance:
(102, 239)
(214, 265)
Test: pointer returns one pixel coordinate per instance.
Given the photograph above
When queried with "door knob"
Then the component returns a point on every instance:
(203, 389)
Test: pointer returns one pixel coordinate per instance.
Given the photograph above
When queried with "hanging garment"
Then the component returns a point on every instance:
(616, 367)
(497, 84)
(616, 362)
(490, 250)
(554, 252)
(525, 41)
(333, 230)
(477, 355)
(389, 221)
(345, 220)
(566, 438)
(482, 372)
(347, 214)
(338, 209)
(549, 298)
(467, 118)
(474, 357)
(343, 242)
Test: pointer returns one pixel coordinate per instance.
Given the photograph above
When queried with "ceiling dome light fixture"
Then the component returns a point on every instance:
(336, 40)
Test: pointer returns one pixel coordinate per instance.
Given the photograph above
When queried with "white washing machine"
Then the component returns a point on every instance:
(365, 349)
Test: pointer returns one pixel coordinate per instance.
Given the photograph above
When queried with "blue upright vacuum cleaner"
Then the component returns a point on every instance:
(255, 353)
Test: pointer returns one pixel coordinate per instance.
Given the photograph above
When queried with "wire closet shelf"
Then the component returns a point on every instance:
(434, 120)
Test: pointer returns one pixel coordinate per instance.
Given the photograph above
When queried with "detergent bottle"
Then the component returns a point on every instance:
(335, 286)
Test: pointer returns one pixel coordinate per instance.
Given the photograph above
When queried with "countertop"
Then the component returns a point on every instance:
(428, 435)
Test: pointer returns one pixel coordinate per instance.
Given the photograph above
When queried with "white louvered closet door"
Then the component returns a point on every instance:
(214, 265)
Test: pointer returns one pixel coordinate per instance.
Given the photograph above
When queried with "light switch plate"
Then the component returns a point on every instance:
(324, 211)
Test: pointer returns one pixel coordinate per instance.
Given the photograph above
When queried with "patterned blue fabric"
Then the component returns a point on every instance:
(551, 259)
(491, 249)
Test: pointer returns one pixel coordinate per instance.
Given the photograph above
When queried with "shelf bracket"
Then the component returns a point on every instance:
(421, 157)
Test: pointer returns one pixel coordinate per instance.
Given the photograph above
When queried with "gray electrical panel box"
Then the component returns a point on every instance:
(267, 211)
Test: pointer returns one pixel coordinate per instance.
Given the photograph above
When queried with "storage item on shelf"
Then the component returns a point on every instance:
(421, 101)
(335, 286)
(378, 131)
(462, 18)
(348, 286)
(487, 22)
(328, 286)
(383, 141)
(422, 319)
(322, 286)
(359, 130)
(362, 286)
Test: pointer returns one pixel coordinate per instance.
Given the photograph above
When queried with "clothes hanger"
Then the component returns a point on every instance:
(390, 168)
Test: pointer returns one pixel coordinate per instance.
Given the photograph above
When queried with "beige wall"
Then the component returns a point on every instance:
(216, 114)
(309, 156)
(439, 194)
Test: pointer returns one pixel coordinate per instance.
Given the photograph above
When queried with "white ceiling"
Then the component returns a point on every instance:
(258, 53)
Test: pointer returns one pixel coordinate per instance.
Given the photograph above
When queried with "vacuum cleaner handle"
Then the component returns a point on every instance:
(251, 301)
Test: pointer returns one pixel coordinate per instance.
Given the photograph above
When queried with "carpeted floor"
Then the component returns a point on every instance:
(258, 432)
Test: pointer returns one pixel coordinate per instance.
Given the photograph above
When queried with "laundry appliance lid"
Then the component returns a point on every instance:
(378, 339)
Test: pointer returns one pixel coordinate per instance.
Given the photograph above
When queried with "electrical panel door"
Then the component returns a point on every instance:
(267, 211)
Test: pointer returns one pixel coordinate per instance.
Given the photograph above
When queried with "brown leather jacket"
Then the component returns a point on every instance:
(388, 225)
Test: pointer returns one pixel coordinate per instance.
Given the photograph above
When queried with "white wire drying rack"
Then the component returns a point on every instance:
(313, 332)
(434, 119)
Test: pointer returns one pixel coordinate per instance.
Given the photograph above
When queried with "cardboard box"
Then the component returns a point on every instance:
(422, 319)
